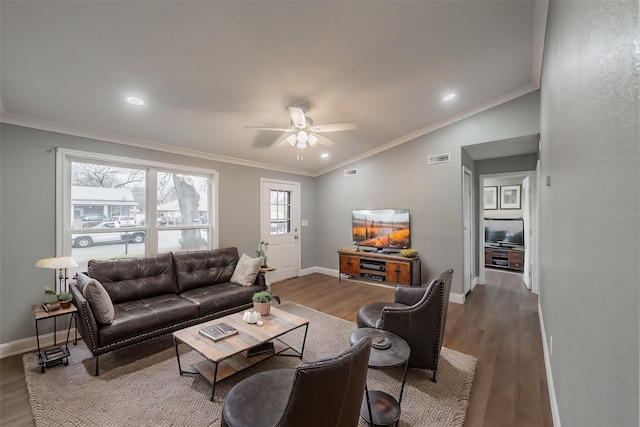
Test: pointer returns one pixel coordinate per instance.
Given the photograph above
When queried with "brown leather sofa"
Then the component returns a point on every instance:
(155, 295)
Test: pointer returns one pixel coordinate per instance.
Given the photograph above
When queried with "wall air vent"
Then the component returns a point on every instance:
(439, 158)
(350, 172)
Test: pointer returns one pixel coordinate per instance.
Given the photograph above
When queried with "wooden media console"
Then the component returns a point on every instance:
(378, 267)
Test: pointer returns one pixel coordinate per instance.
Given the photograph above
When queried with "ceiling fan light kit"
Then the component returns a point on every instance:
(304, 133)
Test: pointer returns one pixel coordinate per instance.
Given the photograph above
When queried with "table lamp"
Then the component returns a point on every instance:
(60, 263)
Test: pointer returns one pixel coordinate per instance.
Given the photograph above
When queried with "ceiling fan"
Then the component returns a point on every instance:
(304, 133)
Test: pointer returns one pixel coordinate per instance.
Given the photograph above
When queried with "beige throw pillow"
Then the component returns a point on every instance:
(99, 300)
(246, 270)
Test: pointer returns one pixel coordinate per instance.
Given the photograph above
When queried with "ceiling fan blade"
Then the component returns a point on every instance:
(276, 129)
(323, 140)
(297, 116)
(334, 127)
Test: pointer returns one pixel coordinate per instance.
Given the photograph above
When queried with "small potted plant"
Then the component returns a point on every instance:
(49, 295)
(261, 252)
(262, 302)
(50, 300)
(65, 299)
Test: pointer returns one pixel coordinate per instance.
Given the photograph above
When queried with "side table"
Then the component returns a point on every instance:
(265, 270)
(380, 408)
(56, 354)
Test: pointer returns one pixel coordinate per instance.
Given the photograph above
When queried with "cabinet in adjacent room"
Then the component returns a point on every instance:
(504, 257)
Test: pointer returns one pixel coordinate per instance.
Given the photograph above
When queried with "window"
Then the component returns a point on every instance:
(113, 207)
(182, 206)
(280, 202)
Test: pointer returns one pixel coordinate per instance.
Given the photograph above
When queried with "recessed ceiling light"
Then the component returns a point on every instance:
(324, 155)
(449, 97)
(134, 100)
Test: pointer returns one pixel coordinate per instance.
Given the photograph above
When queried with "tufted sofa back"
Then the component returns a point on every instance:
(200, 268)
(130, 279)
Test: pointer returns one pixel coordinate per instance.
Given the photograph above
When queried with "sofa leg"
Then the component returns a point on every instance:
(97, 366)
(433, 378)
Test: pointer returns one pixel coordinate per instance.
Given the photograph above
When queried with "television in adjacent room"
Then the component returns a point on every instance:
(383, 229)
(504, 231)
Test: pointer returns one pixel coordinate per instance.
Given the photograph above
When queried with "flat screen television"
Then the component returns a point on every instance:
(383, 229)
(504, 231)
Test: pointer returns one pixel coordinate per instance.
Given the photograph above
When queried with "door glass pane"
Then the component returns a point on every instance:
(280, 208)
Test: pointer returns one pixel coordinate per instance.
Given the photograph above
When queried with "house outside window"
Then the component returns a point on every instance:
(107, 206)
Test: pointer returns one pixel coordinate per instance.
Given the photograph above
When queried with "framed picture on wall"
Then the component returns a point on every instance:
(510, 196)
(491, 197)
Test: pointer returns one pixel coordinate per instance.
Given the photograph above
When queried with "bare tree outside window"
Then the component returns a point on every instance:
(188, 200)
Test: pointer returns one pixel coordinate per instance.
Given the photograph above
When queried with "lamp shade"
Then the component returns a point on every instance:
(60, 262)
(302, 137)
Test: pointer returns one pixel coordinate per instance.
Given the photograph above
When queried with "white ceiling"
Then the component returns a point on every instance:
(207, 69)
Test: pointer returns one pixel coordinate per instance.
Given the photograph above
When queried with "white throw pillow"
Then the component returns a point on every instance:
(99, 300)
(246, 270)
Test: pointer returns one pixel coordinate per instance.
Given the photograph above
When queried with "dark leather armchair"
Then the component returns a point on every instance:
(324, 393)
(418, 315)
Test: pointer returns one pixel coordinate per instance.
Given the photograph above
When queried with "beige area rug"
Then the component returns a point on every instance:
(140, 386)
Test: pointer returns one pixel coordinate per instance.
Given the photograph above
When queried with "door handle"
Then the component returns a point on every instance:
(296, 237)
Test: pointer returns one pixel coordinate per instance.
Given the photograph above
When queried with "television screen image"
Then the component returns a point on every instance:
(381, 228)
(506, 232)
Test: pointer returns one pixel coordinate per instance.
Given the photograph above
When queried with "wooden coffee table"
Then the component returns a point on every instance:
(224, 358)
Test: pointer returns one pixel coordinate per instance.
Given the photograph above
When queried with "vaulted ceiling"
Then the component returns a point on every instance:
(205, 70)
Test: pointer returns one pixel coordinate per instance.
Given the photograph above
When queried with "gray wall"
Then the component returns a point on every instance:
(27, 212)
(396, 178)
(589, 218)
(400, 178)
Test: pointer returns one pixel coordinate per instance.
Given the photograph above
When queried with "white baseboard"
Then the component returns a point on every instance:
(457, 298)
(321, 270)
(28, 344)
(555, 412)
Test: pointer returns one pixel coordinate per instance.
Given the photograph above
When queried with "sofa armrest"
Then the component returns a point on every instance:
(87, 323)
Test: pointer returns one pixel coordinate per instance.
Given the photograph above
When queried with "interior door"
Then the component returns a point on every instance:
(526, 216)
(467, 221)
(280, 227)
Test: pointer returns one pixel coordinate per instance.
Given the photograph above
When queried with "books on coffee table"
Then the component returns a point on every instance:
(218, 331)
(265, 348)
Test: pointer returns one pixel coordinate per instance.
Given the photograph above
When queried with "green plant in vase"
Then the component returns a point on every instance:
(262, 301)
(261, 252)
(49, 295)
(65, 299)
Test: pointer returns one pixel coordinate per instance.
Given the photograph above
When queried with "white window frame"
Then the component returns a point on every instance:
(64, 157)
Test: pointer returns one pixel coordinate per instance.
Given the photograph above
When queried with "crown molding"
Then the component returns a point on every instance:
(18, 120)
(435, 126)
(541, 9)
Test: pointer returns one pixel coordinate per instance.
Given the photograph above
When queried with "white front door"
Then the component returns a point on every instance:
(280, 227)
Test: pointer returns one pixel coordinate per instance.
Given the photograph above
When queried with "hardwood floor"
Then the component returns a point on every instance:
(498, 324)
